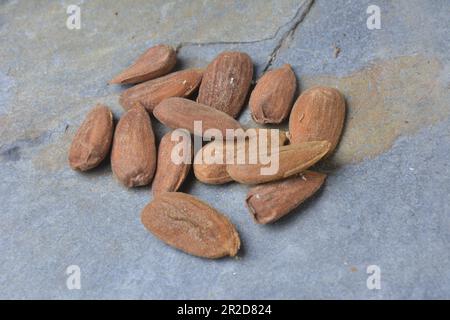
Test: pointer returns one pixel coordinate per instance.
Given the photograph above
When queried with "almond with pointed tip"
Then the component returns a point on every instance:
(133, 156)
(174, 161)
(92, 141)
(151, 93)
(205, 168)
(271, 100)
(318, 114)
(269, 202)
(288, 161)
(188, 224)
(155, 62)
(226, 82)
(210, 164)
(182, 113)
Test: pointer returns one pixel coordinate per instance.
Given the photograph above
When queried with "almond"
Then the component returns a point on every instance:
(226, 82)
(133, 156)
(271, 100)
(292, 159)
(318, 114)
(151, 93)
(172, 169)
(155, 62)
(181, 113)
(270, 201)
(188, 224)
(206, 168)
(92, 141)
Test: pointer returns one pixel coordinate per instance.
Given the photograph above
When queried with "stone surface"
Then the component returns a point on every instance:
(386, 201)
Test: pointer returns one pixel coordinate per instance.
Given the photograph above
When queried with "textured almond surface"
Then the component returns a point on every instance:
(270, 201)
(209, 172)
(155, 62)
(92, 141)
(169, 173)
(271, 100)
(205, 170)
(318, 114)
(292, 159)
(226, 82)
(188, 224)
(133, 156)
(181, 113)
(150, 93)
(263, 138)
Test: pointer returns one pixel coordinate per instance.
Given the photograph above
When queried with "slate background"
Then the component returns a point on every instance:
(385, 203)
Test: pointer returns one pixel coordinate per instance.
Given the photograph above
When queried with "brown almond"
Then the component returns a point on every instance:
(270, 201)
(92, 141)
(181, 113)
(151, 93)
(206, 168)
(271, 100)
(188, 224)
(171, 172)
(256, 134)
(292, 159)
(155, 62)
(318, 114)
(133, 156)
(226, 82)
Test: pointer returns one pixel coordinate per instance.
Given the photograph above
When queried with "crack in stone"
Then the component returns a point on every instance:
(298, 18)
(181, 45)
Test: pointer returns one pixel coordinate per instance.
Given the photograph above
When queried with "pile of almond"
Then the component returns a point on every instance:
(316, 120)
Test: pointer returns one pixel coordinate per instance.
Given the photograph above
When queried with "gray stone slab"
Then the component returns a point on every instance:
(386, 200)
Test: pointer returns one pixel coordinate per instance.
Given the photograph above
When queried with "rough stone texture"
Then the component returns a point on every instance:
(386, 201)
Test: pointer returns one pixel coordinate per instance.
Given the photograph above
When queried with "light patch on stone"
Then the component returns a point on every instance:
(7, 85)
(53, 157)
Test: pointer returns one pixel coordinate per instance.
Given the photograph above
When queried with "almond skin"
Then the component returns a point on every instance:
(133, 156)
(293, 159)
(92, 141)
(151, 93)
(211, 173)
(169, 175)
(270, 201)
(181, 113)
(226, 82)
(188, 224)
(271, 100)
(318, 114)
(208, 172)
(155, 62)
